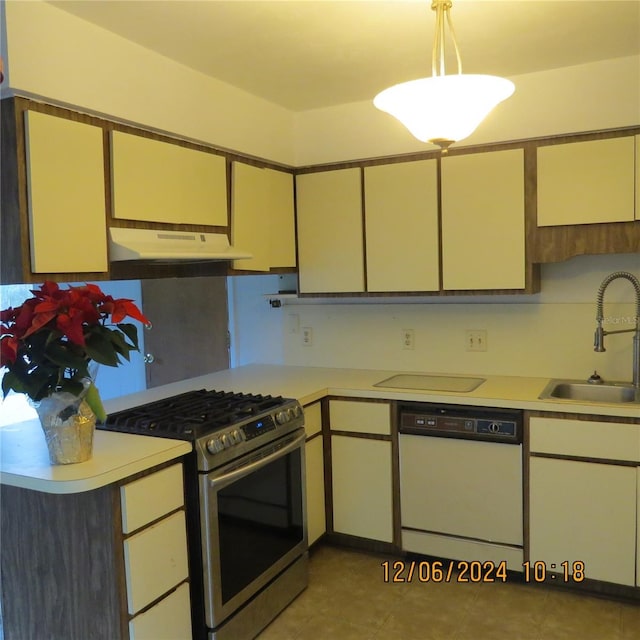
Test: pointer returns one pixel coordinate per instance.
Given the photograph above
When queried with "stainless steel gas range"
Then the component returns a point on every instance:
(246, 508)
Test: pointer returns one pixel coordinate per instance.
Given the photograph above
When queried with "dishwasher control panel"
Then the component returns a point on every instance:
(459, 421)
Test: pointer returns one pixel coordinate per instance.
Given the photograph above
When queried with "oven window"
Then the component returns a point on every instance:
(260, 519)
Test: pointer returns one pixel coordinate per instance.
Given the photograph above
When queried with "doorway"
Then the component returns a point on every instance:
(189, 335)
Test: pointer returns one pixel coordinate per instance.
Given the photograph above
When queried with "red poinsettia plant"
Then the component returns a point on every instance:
(49, 341)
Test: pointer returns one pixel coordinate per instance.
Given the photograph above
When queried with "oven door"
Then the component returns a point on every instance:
(253, 514)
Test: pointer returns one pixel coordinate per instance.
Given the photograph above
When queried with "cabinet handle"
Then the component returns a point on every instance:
(149, 358)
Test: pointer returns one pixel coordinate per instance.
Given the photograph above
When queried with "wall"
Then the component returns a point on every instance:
(56, 56)
(549, 334)
(586, 97)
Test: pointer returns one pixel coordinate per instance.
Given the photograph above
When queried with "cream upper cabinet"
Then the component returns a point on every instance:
(156, 181)
(401, 224)
(66, 195)
(586, 182)
(330, 231)
(262, 217)
(483, 226)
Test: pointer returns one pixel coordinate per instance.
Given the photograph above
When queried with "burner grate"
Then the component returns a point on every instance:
(192, 414)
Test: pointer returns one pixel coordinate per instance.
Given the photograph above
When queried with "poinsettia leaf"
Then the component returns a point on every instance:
(65, 357)
(101, 350)
(131, 331)
(120, 344)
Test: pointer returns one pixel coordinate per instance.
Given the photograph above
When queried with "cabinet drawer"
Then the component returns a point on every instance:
(151, 497)
(170, 618)
(155, 561)
(312, 419)
(605, 440)
(360, 417)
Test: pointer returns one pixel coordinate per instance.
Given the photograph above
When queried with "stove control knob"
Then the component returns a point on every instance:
(214, 445)
(225, 440)
(235, 436)
(282, 417)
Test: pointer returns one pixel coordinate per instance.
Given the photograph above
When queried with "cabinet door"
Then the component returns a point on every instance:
(401, 222)
(316, 522)
(582, 511)
(483, 231)
(66, 195)
(361, 480)
(155, 561)
(156, 181)
(262, 217)
(637, 187)
(638, 531)
(329, 226)
(170, 618)
(586, 182)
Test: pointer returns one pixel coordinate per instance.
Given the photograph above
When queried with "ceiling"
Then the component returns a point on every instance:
(306, 54)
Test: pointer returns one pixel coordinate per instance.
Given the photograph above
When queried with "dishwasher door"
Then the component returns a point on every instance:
(462, 495)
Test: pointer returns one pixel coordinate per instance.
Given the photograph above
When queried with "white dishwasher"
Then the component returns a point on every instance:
(461, 482)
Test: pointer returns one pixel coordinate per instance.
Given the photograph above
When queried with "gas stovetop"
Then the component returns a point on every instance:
(193, 414)
(222, 424)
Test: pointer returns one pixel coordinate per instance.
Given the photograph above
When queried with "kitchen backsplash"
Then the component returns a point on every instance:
(548, 334)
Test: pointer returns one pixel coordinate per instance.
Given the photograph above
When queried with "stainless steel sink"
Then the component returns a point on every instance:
(580, 391)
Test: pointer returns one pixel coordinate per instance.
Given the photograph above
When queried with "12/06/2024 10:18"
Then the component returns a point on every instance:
(401, 571)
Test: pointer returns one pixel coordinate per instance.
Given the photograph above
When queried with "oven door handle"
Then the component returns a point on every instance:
(239, 472)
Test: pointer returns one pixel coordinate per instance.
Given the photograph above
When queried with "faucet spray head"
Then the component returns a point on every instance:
(598, 339)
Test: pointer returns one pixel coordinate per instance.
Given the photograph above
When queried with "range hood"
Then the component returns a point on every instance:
(170, 246)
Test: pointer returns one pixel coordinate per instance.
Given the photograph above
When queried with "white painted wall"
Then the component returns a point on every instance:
(56, 56)
(586, 97)
(549, 334)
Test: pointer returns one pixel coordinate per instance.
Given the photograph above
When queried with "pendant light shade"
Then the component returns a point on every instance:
(444, 108)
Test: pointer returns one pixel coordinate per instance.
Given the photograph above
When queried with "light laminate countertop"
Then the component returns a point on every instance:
(24, 460)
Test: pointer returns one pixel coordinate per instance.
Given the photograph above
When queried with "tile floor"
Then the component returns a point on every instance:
(347, 600)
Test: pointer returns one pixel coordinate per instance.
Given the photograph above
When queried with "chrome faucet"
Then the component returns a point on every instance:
(601, 333)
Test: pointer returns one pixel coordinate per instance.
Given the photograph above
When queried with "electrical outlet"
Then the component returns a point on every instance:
(307, 336)
(408, 339)
(476, 340)
(294, 323)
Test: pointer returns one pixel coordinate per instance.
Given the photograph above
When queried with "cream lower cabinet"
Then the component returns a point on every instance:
(361, 469)
(314, 455)
(483, 221)
(584, 510)
(329, 231)
(401, 223)
(155, 556)
(586, 182)
(262, 217)
(66, 195)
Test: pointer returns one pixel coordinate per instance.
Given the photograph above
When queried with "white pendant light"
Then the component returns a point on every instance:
(444, 109)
